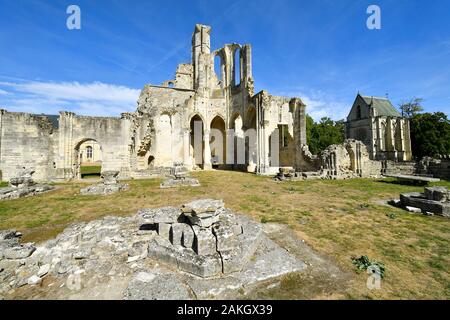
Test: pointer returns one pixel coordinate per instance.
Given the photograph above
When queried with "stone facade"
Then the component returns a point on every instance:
(258, 132)
(376, 123)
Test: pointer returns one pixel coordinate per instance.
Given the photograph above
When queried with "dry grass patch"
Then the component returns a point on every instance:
(340, 219)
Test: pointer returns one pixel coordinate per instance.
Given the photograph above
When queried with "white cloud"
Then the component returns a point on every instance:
(3, 92)
(95, 98)
(319, 105)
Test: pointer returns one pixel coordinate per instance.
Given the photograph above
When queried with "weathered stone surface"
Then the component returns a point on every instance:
(188, 238)
(202, 266)
(110, 177)
(164, 230)
(413, 209)
(202, 206)
(7, 234)
(204, 241)
(34, 280)
(104, 189)
(176, 233)
(110, 250)
(19, 252)
(43, 270)
(159, 215)
(156, 286)
(185, 182)
(440, 194)
(424, 202)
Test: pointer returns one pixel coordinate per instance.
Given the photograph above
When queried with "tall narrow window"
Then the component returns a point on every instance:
(218, 67)
(237, 67)
(89, 152)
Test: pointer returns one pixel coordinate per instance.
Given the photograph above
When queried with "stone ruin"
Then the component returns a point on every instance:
(347, 160)
(434, 200)
(199, 250)
(179, 176)
(108, 186)
(202, 238)
(22, 186)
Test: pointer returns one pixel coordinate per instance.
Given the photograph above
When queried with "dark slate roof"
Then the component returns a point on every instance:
(382, 106)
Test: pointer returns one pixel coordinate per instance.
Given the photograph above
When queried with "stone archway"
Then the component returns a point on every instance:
(239, 141)
(218, 142)
(88, 159)
(197, 146)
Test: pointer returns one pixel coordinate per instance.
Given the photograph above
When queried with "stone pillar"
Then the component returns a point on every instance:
(266, 147)
(207, 152)
(2, 111)
(186, 148)
(298, 108)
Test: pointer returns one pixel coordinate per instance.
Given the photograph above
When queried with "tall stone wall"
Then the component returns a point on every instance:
(26, 141)
(113, 135)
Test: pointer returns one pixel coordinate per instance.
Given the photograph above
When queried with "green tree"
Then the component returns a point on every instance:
(430, 134)
(412, 107)
(323, 134)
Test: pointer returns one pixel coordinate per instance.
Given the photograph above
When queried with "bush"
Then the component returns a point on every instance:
(363, 263)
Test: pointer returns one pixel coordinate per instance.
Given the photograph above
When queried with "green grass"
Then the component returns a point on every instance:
(338, 219)
(90, 171)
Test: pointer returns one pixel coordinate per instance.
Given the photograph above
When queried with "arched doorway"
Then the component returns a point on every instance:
(239, 142)
(88, 159)
(197, 143)
(218, 142)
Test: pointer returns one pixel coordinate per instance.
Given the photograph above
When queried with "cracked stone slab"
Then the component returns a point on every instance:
(156, 285)
(159, 215)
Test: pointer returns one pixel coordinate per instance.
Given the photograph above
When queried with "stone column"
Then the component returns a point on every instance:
(298, 108)
(186, 148)
(207, 152)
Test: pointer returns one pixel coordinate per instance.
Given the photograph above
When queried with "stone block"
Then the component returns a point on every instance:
(202, 206)
(156, 286)
(159, 215)
(226, 235)
(176, 233)
(164, 230)
(188, 238)
(202, 266)
(204, 242)
(163, 250)
(19, 252)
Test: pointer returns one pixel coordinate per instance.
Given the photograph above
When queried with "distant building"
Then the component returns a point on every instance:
(384, 131)
(90, 153)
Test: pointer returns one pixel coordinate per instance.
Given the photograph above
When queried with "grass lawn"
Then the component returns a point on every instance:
(339, 219)
(88, 172)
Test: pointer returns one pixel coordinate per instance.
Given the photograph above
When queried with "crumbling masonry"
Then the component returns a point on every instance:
(207, 116)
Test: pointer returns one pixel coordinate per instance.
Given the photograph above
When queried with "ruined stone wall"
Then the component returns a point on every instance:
(349, 160)
(112, 134)
(26, 141)
(439, 168)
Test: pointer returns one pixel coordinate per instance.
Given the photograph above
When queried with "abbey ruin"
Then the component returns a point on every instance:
(205, 117)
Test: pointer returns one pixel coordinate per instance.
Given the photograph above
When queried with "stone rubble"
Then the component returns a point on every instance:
(179, 177)
(108, 186)
(23, 186)
(155, 254)
(434, 200)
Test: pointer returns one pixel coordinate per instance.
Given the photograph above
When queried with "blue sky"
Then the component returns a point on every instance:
(319, 50)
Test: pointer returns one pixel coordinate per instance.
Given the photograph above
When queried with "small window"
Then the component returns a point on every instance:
(358, 112)
(89, 152)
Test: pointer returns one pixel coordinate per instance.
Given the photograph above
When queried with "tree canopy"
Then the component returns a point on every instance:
(324, 133)
(411, 107)
(430, 134)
